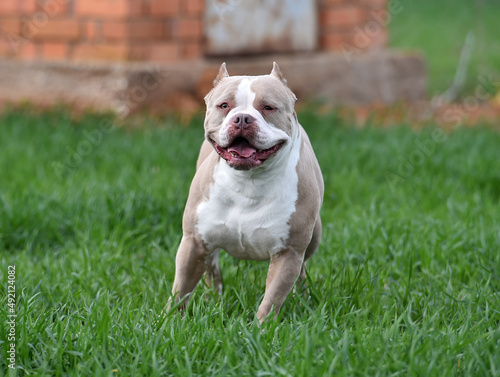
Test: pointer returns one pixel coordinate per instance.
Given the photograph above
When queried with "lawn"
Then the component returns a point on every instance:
(438, 29)
(405, 283)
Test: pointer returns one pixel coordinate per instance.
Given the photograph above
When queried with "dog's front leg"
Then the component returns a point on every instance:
(189, 268)
(284, 270)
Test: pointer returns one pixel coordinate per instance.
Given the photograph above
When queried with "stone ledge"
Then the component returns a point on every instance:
(382, 77)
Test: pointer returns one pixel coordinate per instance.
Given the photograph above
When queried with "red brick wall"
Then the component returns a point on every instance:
(353, 24)
(153, 30)
(165, 30)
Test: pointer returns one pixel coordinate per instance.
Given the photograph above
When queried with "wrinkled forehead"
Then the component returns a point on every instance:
(264, 88)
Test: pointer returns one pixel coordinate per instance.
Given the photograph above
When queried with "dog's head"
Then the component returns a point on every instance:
(249, 118)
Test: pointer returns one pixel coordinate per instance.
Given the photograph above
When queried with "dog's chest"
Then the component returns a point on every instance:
(249, 218)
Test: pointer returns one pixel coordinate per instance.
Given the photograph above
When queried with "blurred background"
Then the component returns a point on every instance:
(127, 55)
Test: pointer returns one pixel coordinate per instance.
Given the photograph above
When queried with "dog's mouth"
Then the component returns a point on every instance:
(242, 155)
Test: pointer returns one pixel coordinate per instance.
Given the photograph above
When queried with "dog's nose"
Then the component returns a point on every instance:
(242, 120)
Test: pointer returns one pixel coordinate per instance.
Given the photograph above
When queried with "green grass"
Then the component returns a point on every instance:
(405, 283)
(438, 30)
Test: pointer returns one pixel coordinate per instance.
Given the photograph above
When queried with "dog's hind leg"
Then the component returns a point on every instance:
(311, 249)
(213, 276)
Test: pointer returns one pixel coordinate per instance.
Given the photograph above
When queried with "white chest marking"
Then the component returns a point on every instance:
(247, 212)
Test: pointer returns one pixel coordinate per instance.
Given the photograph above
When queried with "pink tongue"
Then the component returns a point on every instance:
(242, 148)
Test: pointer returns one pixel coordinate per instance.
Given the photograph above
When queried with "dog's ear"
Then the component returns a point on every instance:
(277, 73)
(222, 73)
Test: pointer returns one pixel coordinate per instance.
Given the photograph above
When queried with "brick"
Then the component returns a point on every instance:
(29, 51)
(140, 52)
(10, 25)
(194, 7)
(28, 30)
(134, 30)
(113, 52)
(382, 16)
(165, 7)
(346, 17)
(59, 29)
(8, 7)
(372, 33)
(375, 4)
(5, 48)
(16, 7)
(27, 6)
(189, 28)
(165, 52)
(136, 7)
(82, 51)
(192, 50)
(379, 41)
(115, 29)
(14, 42)
(147, 30)
(105, 51)
(55, 51)
(54, 8)
(109, 9)
(332, 41)
(92, 30)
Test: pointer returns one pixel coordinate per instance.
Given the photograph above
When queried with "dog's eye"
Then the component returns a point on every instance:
(224, 105)
(267, 107)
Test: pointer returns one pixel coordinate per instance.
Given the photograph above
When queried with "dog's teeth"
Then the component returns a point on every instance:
(233, 154)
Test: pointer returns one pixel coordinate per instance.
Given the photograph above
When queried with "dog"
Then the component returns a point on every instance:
(257, 191)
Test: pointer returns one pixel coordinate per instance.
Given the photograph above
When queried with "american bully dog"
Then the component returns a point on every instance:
(257, 191)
